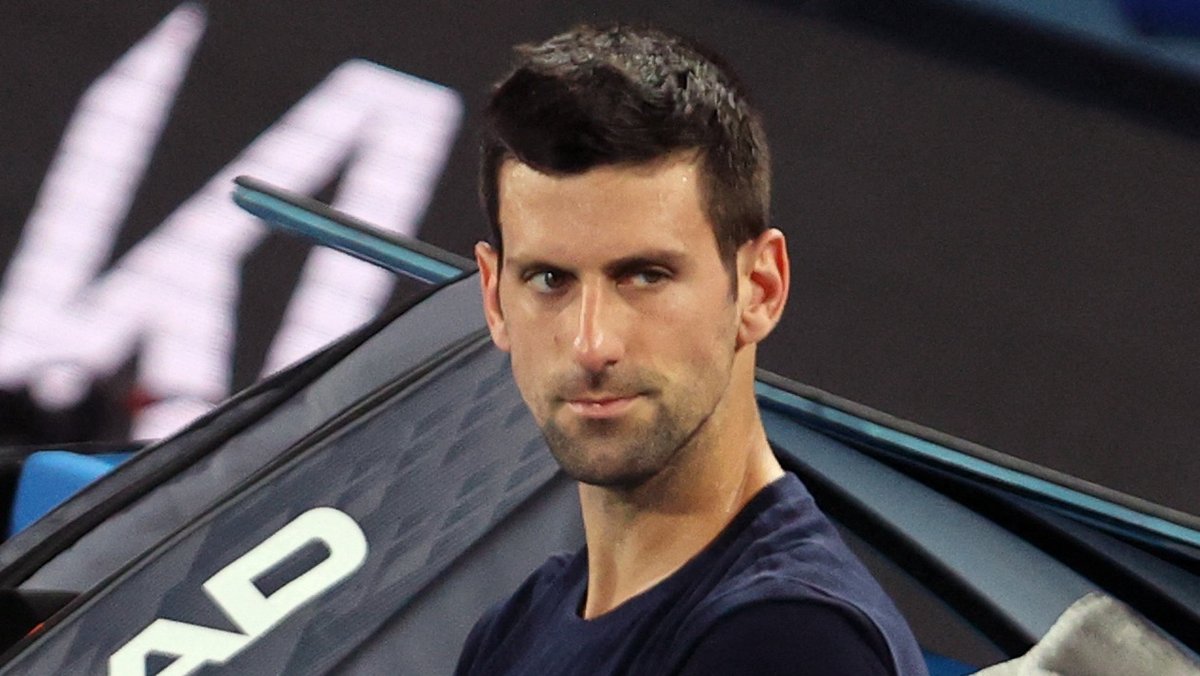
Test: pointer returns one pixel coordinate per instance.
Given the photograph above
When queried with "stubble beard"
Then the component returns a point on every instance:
(624, 454)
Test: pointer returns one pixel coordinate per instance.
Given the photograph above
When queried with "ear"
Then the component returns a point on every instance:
(763, 278)
(488, 260)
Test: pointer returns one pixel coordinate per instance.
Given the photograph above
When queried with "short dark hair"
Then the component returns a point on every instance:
(621, 94)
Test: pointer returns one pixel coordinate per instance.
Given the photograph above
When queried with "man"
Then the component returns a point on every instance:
(631, 276)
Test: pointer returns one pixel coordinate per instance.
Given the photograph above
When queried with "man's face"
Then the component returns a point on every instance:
(617, 311)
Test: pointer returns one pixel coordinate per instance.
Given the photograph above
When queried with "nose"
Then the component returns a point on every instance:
(597, 343)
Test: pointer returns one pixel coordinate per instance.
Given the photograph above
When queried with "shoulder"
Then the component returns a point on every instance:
(791, 557)
(790, 637)
(552, 579)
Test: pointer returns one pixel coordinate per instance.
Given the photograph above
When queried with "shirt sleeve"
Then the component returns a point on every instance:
(790, 637)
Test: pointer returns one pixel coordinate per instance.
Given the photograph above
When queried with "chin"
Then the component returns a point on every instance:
(616, 454)
(618, 478)
(602, 469)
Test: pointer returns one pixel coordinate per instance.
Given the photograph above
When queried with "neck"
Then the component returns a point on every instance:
(637, 537)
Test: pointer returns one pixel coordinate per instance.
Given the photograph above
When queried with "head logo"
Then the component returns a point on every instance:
(233, 590)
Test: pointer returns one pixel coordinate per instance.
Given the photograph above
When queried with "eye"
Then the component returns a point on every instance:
(646, 278)
(546, 281)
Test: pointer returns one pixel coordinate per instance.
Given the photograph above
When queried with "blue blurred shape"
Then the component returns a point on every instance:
(1164, 17)
(48, 478)
(945, 666)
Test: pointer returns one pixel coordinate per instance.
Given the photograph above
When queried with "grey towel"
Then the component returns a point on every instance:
(1099, 636)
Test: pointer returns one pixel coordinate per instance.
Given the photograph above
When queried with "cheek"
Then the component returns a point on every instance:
(522, 364)
(699, 337)
(528, 369)
(531, 338)
(704, 315)
(537, 333)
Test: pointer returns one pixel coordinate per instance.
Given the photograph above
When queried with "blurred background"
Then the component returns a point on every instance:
(991, 204)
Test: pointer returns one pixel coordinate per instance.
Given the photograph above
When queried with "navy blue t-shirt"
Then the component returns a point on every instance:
(776, 592)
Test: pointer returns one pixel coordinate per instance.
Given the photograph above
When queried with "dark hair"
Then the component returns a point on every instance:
(620, 94)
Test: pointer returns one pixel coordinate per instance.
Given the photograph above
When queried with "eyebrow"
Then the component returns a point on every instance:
(667, 258)
(641, 261)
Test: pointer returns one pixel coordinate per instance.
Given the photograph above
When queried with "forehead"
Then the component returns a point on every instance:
(615, 209)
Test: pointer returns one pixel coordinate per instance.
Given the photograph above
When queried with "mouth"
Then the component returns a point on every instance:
(600, 407)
